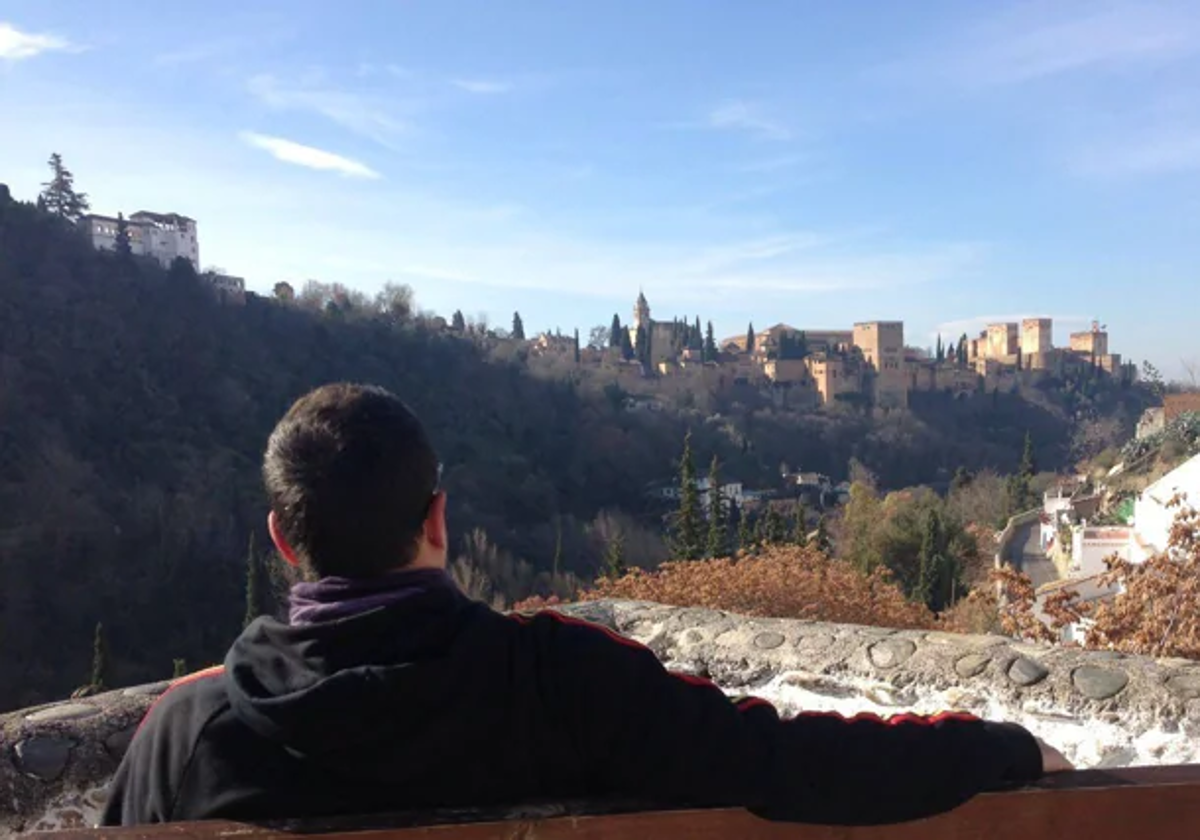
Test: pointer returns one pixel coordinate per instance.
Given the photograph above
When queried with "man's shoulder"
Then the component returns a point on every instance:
(565, 629)
(192, 697)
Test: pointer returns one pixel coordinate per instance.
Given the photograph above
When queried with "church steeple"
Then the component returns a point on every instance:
(641, 312)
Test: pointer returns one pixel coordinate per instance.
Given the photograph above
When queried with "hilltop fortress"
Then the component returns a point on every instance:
(867, 364)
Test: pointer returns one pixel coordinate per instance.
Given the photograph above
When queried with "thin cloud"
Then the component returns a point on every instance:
(1038, 41)
(741, 115)
(1160, 152)
(308, 156)
(364, 114)
(482, 87)
(16, 45)
(199, 52)
(772, 164)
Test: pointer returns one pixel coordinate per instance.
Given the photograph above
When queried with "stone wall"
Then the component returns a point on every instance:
(1103, 709)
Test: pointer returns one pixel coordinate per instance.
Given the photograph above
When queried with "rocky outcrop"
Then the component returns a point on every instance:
(1104, 709)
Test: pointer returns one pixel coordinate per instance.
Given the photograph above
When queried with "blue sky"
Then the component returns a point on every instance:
(943, 163)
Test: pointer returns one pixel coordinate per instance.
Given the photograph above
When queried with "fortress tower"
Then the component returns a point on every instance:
(882, 345)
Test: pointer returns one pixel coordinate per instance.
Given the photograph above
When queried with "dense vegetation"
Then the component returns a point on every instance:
(134, 406)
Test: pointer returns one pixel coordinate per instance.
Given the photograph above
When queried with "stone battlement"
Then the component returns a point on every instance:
(1103, 709)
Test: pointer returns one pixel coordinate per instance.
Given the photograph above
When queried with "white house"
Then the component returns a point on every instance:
(1153, 515)
(1092, 545)
(163, 236)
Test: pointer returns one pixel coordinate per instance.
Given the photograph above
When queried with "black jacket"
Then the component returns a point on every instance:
(439, 702)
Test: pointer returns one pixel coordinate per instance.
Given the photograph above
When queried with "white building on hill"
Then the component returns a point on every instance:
(163, 236)
(1153, 514)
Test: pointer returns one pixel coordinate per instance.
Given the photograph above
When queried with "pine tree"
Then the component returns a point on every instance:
(457, 322)
(121, 245)
(58, 194)
(615, 332)
(710, 344)
(518, 328)
(578, 355)
(718, 521)
(180, 668)
(99, 658)
(614, 558)
(253, 576)
(823, 543)
(750, 338)
(686, 538)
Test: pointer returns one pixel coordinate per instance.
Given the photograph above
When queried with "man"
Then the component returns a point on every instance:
(388, 690)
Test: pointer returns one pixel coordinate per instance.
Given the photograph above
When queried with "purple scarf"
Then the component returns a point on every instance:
(331, 598)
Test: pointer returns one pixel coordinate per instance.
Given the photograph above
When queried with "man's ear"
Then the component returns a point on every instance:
(434, 527)
(281, 543)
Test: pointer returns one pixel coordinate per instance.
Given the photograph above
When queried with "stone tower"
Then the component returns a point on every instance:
(641, 313)
(882, 345)
(1035, 335)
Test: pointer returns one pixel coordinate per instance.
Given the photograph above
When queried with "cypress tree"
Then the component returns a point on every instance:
(710, 344)
(626, 345)
(824, 543)
(578, 355)
(457, 322)
(121, 245)
(772, 529)
(253, 573)
(614, 558)
(750, 338)
(930, 559)
(734, 527)
(718, 523)
(642, 345)
(99, 658)
(686, 542)
(615, 332)
(518, 327)
(800, 525)
(941, 350)
(556, 563)
(745, 534)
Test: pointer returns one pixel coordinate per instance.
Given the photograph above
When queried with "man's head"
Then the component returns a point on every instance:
(353, 485)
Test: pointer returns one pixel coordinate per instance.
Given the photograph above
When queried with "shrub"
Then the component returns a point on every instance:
(781, 582)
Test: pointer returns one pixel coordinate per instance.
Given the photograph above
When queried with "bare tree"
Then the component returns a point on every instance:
(598, 338)
(1191, 370)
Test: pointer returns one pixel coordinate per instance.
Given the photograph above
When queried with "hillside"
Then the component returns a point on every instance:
(134, 407)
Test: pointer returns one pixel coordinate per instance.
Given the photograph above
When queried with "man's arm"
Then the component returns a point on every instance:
(146, 784)
(652, 733)
(133, 796)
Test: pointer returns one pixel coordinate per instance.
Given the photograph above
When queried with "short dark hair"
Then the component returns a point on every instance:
(350, 474)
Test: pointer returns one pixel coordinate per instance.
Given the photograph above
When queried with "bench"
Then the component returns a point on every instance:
(1144, 803)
